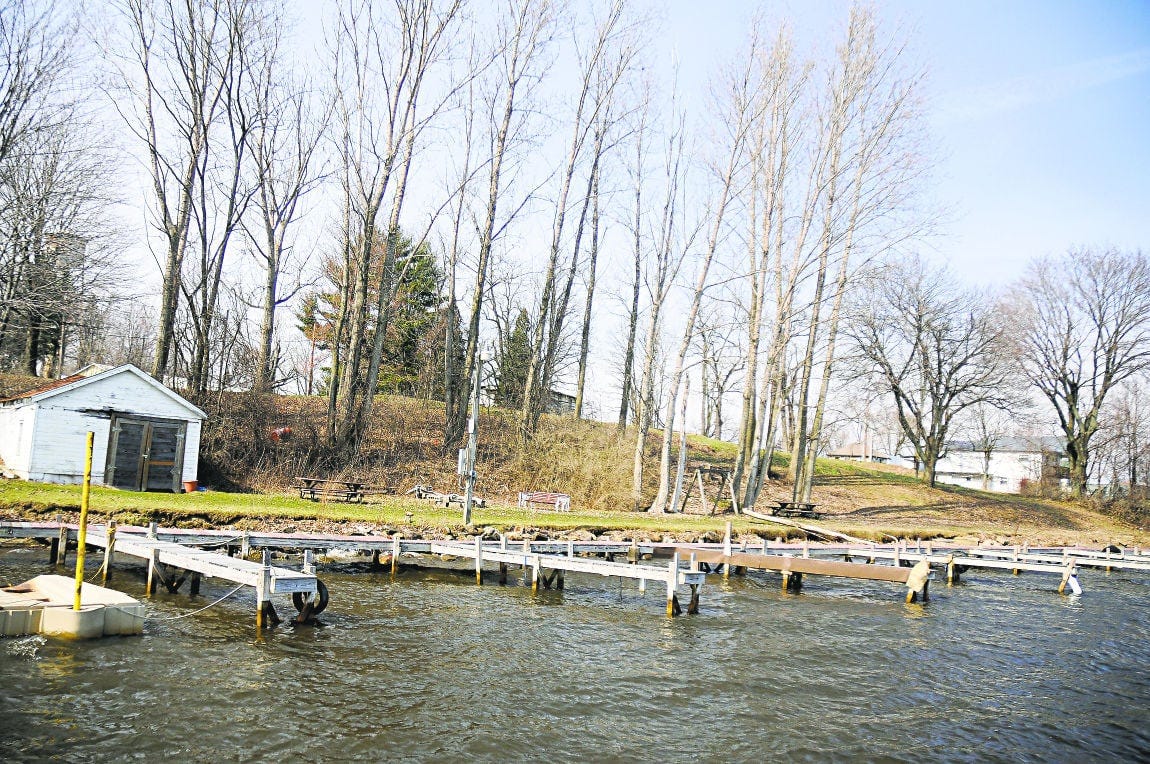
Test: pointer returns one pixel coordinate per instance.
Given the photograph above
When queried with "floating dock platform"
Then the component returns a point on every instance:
(44, 605)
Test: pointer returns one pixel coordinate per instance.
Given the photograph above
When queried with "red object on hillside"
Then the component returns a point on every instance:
(280, 433)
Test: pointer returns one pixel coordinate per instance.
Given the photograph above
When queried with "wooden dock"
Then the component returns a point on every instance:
(544, 563)
(172, 564)
(539, 564)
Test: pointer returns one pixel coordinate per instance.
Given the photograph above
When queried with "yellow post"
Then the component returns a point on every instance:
(82, 538)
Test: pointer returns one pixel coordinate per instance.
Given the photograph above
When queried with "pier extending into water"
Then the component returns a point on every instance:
(175, 556)
(172, 564)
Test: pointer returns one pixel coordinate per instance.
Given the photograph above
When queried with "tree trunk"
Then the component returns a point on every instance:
(592, 267)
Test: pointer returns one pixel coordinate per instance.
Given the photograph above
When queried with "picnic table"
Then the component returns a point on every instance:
(795, 509)
(319, 488)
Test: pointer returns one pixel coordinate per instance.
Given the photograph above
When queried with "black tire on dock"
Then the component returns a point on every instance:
(1112, 549)
(320, 602)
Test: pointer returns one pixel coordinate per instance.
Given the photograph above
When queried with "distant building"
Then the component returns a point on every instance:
(557, 402)
(560, 403)
(1013, 464)
(859, 452)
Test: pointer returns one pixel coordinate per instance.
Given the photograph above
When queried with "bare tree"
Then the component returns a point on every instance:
(223, 181)
(524, 31)
(1084, 327)
(36, 53)
(382, 68)
(873, 166)
(937, 349)
(176, 75)
(56, 241)
(603, 67)
(988, 427)
(771, 259)
(286, 167)
(720, 360)
(1125, 431)
(739, 105)
(672, 241)
(641, 115)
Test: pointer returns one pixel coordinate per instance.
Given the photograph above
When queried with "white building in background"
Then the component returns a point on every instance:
(147, 438)
(1009, 466)
(864, 451)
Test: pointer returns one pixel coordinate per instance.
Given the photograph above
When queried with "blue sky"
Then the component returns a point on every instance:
(1039, 111)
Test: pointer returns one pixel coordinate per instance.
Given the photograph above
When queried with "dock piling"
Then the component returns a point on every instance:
(153, 565)
(265, 612)
(1069, 578)
(672, 603)
(726, 551)
(62, 546)
(479, 561)
(952, 573)
(109, 553)
(394, 554)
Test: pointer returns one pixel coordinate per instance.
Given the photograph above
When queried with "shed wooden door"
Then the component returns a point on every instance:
(145, 455)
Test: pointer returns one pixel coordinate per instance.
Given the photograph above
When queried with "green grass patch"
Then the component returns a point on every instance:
(220, 508)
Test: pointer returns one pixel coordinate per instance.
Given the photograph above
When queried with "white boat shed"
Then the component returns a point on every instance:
(147, 438)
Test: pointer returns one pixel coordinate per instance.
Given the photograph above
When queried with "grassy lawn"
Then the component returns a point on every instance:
(216, 508)
(866, 503)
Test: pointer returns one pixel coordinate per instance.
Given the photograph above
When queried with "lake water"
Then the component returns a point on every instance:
(429, 667)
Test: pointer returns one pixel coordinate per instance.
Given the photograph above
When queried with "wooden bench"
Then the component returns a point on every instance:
(561, 501)
(322, 488)
(795, 509)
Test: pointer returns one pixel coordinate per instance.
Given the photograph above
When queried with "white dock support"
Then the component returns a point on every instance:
(726, 551)
(153, 564)
(109, 553)
(264, 591)
(479, 560)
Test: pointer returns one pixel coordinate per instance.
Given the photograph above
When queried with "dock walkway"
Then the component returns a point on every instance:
(161, 554)
(537, 563)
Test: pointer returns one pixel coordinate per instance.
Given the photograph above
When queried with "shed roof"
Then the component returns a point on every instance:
(81, 379)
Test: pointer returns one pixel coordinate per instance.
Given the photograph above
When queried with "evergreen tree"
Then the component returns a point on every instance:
(513, 363)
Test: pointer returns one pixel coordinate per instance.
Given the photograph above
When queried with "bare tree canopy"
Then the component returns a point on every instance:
(937, 348)
(1083, 323)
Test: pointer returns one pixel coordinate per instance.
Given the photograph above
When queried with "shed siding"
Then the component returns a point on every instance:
(17, 426)
(192, 451)
(60, 438)
(122, 394)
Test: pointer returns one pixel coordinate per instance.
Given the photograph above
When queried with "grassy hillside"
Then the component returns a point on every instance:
(251, 474)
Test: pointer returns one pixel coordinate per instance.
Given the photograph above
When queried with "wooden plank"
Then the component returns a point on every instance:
(804, 565)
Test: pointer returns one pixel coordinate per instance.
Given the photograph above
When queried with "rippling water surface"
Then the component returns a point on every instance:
(427, 666)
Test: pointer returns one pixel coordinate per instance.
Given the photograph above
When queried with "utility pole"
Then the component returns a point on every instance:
(472, 433)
